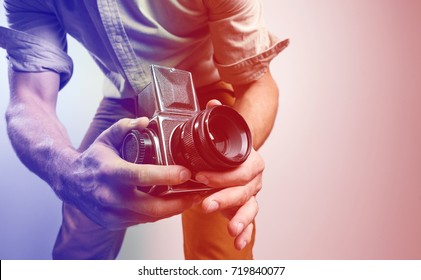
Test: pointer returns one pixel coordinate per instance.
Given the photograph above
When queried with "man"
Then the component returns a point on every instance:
(219, 42)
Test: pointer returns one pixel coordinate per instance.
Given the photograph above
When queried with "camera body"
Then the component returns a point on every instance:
(217, 138)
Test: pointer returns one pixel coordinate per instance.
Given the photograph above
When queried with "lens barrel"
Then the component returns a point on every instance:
(217, 138)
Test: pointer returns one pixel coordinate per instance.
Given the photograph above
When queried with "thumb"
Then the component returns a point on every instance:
(115, 134)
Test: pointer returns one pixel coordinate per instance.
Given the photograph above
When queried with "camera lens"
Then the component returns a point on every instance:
(217, 138)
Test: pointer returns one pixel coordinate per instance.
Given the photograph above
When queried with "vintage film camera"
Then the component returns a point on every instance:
(216, 139)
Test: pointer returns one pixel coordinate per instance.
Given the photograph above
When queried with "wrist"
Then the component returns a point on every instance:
(61, 170)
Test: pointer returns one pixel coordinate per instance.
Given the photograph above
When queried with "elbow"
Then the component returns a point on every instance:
(13, 111)
(15, 122)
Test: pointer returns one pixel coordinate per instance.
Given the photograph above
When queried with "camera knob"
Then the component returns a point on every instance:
(137, 147)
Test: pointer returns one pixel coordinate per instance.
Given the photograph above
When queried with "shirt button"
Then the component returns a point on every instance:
(118, 39)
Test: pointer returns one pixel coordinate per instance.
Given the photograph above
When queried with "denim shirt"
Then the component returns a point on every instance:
(212, 39)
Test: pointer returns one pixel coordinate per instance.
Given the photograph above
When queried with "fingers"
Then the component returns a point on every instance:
(241, 175)
(241, 222)
(115, 134)
(118, 219)
(240, 206)
(150, 175)
(241, 225)
(232, 197)
(244, 216)
(244, 238)
(127, 206)
(161, 207)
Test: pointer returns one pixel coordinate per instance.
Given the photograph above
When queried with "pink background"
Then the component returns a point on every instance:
(343, 176)
(346, 175)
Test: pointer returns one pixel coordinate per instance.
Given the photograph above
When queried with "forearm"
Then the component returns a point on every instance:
(36, 134)
(258, 103)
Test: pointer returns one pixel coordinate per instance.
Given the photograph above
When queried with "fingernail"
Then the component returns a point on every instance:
(139, 122)
(243, 245)
(184, 175)
(240, 227)
(212, 207)
(202, 179)
(133, 122)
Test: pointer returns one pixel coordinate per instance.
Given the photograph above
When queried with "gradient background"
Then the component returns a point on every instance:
(343, 176)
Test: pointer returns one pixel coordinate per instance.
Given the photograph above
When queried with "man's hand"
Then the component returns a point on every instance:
(103, 186)
(237, 198)
(257, 102)
(97, 181)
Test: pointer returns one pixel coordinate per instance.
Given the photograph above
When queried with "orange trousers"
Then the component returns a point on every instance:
(206, 238)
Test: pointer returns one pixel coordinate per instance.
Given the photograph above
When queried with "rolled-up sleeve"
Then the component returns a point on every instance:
(35, 41)
(243, 47)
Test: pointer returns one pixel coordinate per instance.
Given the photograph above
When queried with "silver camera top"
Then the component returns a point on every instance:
(170, 92)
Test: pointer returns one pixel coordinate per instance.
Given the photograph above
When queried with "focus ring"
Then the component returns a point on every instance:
(190, 152)
(142, 149)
